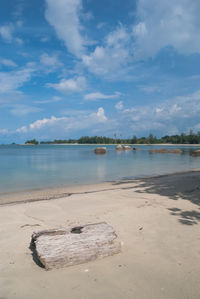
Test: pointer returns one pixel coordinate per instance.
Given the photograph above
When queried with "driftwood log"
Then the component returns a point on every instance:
(74, 245)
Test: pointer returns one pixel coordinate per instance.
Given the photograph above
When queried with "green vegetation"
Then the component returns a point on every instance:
(32, 141)
(191, 138)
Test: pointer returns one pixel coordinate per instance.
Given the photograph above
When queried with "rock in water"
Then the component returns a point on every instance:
(119, 147)
(100, 150)
(126, 147)
(166, 151)
(196, 153)
(75, 245)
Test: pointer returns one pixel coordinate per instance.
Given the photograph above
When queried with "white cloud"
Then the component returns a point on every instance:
(101, 115)
(98, 96)
(119, 105)
(150, 88)
(101, 25)
(22, 130)
(3, 131)
(45, 39)
(21, 110)
(63, 15)
(19, 41)
(159, 24)
(175, 115)
(6, 32)
(167, 23)
(8, 62)
(76, 84)
(50, 62)
(106, 59)
(10, 81)
(38, 124)
(51, 100)
(60, 126)
(110, 58)
(172, 116)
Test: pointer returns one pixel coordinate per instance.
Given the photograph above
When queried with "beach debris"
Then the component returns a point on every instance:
(166, 151)
(57, 248)
(196, 153)
(126, 147)
(29, 225)
(136, 149)
(119, 147)
(100, 150)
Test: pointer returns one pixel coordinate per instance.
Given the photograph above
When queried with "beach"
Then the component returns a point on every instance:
(156, 220)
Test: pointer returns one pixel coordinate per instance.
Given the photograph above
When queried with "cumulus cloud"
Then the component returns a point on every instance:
(175, 115)
(112, 56)
(166, 23)
(101, 115)
(98, 96)
(38, 124)
(63, 15)
(115, 52)
(76, 84)
(59, 126)
(159, 24)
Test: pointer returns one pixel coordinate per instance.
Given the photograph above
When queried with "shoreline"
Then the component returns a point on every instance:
(114, 144)
(156, 219)
(53, 193)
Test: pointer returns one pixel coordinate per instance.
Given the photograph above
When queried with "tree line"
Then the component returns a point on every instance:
(191, 138)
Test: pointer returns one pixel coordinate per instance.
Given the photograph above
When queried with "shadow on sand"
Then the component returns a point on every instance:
(34, 255)
(184, 186)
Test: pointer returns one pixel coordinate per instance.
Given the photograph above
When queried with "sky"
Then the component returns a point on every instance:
(70, 68)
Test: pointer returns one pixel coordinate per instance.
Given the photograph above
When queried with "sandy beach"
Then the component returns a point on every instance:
(156, 219)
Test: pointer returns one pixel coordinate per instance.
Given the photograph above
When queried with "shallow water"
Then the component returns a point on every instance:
(43, 166)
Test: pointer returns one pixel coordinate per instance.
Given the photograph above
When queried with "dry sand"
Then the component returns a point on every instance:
(156, 219)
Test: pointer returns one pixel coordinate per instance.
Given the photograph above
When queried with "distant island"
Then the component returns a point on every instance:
(31, 142)
(191, 138)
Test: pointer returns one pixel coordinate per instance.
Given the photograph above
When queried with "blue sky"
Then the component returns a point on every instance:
(70, 68)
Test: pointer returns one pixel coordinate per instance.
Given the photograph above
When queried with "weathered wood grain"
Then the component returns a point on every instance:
(75, 245)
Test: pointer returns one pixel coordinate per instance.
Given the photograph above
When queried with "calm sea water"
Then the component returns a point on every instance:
(42, 166)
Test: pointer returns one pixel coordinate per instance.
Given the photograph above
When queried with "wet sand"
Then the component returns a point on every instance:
(156, 219)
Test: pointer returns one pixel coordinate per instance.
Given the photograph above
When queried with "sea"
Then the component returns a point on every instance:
(46, 166)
